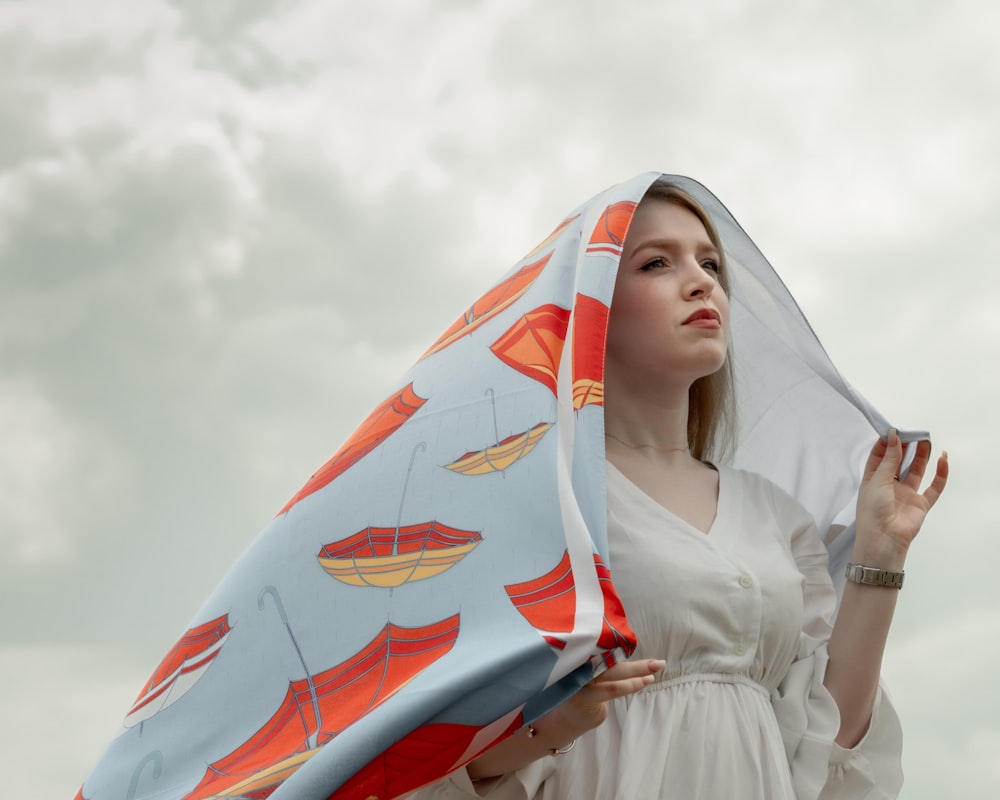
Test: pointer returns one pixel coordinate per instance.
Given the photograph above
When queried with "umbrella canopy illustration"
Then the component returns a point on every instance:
(490, 304)
(609, 233)
(424, 754)
(385, 420)
(318, 707)
(501, 455)
(504, 452)
(548, 602)
(180, 669)
(390, 557)
(589, 333)
(533, 345)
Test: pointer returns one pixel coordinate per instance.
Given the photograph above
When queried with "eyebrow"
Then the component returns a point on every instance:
(669, 244)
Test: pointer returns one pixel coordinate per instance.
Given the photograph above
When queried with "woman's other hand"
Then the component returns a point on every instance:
(588, 708)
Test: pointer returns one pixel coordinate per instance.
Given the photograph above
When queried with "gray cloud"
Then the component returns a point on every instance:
(226, 231)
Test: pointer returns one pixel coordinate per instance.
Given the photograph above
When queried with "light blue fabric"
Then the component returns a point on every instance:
(464, 653)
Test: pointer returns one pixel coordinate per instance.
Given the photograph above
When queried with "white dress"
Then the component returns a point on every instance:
(740, 616)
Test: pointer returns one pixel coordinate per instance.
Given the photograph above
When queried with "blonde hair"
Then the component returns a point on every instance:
(711, 425)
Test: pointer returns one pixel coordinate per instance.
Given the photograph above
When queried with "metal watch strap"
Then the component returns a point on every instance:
(874, 576)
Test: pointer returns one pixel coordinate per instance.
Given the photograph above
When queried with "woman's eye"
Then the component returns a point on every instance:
(656, 263)
(712, 266)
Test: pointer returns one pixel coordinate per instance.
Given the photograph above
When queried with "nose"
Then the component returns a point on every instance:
(700, 284)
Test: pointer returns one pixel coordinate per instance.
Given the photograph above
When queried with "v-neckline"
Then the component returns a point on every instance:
(705, 534)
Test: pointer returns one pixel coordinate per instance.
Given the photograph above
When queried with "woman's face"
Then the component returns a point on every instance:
(669, 316)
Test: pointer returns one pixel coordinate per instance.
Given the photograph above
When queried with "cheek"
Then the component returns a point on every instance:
(722, 304)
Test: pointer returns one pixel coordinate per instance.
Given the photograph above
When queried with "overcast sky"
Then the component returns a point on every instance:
(228, 226)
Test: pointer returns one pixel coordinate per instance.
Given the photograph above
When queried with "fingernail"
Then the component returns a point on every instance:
(656, 664)
(647, 679)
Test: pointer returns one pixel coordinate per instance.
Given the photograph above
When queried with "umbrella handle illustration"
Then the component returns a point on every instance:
(280, 608)
(157, 760)
(496, 428)
(402, 496)
(493, 405)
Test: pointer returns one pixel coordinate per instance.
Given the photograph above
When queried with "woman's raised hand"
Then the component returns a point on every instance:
(890, 510)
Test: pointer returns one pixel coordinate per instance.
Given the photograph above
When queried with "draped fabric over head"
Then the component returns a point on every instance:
(444, 577)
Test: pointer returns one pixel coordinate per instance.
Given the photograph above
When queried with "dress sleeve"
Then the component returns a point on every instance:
(806, 712)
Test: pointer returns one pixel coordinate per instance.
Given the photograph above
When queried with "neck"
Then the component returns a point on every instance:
(656, 447)
(651, 423)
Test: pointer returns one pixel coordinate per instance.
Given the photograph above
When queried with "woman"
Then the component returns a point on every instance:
(443, 579)
(722, 576)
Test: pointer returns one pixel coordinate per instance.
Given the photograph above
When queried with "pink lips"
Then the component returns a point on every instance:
(704, 318)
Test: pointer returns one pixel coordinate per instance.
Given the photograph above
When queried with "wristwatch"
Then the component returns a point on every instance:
(873, 576)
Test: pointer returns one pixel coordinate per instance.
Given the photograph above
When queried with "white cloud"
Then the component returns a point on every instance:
(60, 700)
(958, 651)
(210, 214)
(50, 470)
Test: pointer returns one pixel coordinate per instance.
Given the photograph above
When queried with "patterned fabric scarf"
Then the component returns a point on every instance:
(444, 579)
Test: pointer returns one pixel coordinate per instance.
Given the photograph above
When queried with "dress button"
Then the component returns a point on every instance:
(740, 649)
(746, 581)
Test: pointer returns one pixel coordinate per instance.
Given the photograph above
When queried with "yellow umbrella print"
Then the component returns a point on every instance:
(499, 456)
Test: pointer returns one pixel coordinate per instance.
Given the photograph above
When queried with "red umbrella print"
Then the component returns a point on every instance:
(490, 304)
(423, 755)
(590, 326)
(504, 452)
(549, 604)
(390, 557)
(180, 669)
(533, 345)
(377, 427)
(609, 233)
(318, 707)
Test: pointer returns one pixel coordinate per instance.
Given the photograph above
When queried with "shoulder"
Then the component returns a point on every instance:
(763, 494)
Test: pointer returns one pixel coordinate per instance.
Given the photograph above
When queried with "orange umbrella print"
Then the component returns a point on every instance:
(490, 304)
(389, 557)
(533, 345)
(549, 604)
(377, 427)
(590, 326)
(180, 669)
(421, 756)
(317, 708)
(615, 631)
(609, 233)
(500, 456)
(504, 452)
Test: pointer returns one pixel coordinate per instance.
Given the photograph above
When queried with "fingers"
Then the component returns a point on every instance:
(885, 458)
(915, 474)
(624, 670)
(875, 457)
(627, 677)
(940, 480)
